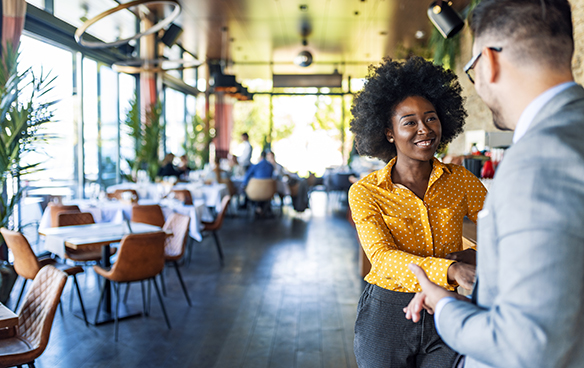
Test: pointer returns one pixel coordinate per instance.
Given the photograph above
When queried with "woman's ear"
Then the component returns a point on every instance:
(389, 135)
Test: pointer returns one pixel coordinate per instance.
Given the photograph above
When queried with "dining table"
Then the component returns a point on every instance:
(102, 234)
(8, 322)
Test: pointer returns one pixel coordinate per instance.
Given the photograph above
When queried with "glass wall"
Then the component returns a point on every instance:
(174, 109)
(58, 155)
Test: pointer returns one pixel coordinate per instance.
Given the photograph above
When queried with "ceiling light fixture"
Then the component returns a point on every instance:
(445, 19)
(303, 59)
(155, 28)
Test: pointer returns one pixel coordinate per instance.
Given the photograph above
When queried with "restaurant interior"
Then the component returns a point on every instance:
(100, 98)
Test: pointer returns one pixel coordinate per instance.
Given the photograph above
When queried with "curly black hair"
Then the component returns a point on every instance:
(391, 83)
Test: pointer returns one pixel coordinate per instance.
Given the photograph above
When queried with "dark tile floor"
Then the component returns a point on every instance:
(286, 297)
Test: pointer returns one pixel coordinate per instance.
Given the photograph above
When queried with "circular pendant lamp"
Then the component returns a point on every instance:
(155, 28)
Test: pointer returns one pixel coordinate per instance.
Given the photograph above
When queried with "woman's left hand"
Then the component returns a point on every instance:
(467, 256)
(462, 273)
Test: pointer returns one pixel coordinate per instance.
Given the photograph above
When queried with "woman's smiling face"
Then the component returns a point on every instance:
(416, 129)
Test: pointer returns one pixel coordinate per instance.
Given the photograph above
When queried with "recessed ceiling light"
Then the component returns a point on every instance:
(303, 7)
(383, 33)
(356, 13)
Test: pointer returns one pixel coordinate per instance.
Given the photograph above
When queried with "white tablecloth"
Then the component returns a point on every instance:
(116, 212)
(211, 193)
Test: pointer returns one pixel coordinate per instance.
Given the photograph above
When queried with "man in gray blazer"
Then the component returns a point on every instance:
(528, 302)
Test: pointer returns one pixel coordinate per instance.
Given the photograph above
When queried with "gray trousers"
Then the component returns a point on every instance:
(384, 338)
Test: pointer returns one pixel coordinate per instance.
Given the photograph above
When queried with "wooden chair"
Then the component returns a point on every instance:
(28, 266)
(148, 214)
(140, 257)
(35, 319)
(183, 195)
(58, 208)
(260, 191)
(214, 226)
(87, 254)
(174, 247)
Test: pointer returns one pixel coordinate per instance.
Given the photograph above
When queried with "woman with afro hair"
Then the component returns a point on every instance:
(411, 211)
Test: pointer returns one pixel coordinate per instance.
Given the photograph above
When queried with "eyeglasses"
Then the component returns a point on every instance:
(469, 67)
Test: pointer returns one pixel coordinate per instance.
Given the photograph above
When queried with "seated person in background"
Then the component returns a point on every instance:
(184, 167)
(167, 168)
(236, 169)
(279, 170)
(262, 170)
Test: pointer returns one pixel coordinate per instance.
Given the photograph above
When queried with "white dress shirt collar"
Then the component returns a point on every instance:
(533, 108)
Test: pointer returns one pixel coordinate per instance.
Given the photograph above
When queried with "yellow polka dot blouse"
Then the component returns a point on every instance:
(397, 228)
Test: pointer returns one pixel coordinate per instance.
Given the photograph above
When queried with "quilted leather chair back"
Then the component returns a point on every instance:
(150, 214)
(71, 218)
(140, 257)
(35, 316)
(179, 226)
(58, 208)
(260, 189)
(25, 262)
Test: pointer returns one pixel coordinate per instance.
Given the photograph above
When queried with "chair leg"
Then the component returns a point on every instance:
(31, 364)
(117, 311)
(218, 244)
(182, 282)
(101, 295)
(143, 297)
(161, 302)
(127, 293)
(163, 283)
(80, 299)
(20, 295)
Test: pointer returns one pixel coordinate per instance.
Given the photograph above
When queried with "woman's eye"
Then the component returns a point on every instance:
(409, 123)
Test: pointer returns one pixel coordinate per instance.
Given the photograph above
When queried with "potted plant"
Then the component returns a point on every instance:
(146, 136)
(24, 109)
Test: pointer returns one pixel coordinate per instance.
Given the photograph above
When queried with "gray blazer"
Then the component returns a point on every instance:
(530, 265)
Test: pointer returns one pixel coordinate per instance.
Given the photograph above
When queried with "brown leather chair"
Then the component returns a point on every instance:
(89, 253)
(28, 266)
(214, 226)
(174, 247)
(140, 257)
(119, 194)
(35, 319)
(58, 208)
(183, 195)
(148, 214)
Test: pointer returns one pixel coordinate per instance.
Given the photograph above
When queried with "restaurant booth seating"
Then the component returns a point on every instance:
(140, 257)
(28, 266)
(35, 319)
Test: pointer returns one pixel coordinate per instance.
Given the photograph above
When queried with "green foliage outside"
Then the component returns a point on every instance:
(146, 136)
(333, 114)
(198, 138)
(23, 111)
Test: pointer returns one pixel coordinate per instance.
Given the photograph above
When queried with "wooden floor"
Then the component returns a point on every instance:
(286, 297)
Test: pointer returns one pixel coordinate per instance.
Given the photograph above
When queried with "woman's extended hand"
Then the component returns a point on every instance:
(466, 256)
(462, 273)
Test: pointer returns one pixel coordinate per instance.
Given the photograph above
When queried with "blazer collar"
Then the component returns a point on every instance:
(571, 94)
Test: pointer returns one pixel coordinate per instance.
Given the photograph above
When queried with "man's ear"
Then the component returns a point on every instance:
(491, 65)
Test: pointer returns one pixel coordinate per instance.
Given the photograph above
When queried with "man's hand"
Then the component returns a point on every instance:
(466, 256)
(462, 273)
(428, 298)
